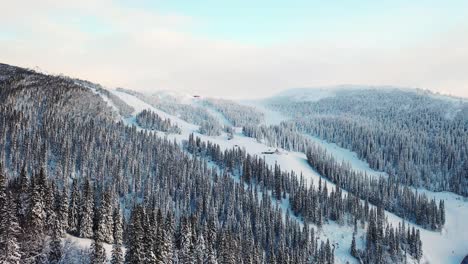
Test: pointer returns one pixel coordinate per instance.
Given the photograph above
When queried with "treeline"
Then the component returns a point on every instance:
(385, 242)
(385, 192)
(124, 109)
(285, 135)
(238, 115)
(418, 138)
(312, 204)
(150, 120)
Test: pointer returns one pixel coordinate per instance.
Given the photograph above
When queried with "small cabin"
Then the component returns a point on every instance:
(196, 96)
(269, 152)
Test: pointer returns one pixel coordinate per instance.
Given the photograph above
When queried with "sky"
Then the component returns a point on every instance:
(242, 49)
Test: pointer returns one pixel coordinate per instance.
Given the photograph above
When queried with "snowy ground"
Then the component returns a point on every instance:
(448, 246)
(85, 244)
(271, 117)
(348, 156)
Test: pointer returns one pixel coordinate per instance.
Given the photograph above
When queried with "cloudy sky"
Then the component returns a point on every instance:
(240, 48)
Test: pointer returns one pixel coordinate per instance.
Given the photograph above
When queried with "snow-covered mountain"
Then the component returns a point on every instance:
(173, 176)
(314, 94)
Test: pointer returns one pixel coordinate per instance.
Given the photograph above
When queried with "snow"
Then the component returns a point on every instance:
(347, 156)
(85, 244)
(216, 114)
(448, 246)
(139, 106)
(179, 97)
(272, 117)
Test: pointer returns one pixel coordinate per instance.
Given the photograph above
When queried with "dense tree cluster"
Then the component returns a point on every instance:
(69, 168)
(150, 120)
(420, 139)
(315, 204)
(284, 135)
(387, 192)
(387, 243)
(238, 115)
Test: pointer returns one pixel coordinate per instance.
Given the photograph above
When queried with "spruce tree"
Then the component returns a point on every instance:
(10, 231)
(135, 250)
(34, 242)
(62, 209)
(55, 253)
(105, 219)
(98, 253)
(73, 209)
(87, 211)
(117, 254)
(354, 252)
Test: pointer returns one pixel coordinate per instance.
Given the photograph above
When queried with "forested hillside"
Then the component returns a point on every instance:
(418, 137)
(68, 167)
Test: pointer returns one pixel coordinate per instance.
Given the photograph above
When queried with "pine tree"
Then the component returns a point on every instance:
(98, 253)
(200, 253)
(105, 219)
(186, 244)
(87, 211)
(167, 250)
(211, 256)
(354, 252)
(62, 209)
(135, 249)
(9, 227)
(150, 238)
(22, 203)
(73, 215)
(37, 213)
(158, 246)
(117, 254)
(442, 212)
(55, 253)
(34, 243)
(418, 247)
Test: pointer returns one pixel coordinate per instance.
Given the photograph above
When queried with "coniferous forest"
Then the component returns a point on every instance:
(68, 168)
(75, 169)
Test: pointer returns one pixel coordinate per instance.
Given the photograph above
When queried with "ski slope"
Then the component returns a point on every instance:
(448, 246)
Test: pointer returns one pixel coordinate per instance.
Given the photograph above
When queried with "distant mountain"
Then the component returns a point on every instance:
(313, 94)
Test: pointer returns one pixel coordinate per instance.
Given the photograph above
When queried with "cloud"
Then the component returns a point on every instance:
(136, 48)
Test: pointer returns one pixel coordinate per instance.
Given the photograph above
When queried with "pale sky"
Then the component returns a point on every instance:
(239, 48)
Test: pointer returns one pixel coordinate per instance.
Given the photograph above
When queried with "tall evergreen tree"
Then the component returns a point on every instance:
(87, 211)
(9, 227)
(117, 254)
(56, 250)
(135, 250)
(73, 209)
